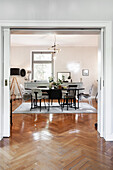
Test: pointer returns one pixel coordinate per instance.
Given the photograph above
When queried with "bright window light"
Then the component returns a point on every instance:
(42, 66)
(42, 71)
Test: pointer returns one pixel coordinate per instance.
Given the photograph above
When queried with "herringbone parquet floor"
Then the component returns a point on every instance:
(55, 142)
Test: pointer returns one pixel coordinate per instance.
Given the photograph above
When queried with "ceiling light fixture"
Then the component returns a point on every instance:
(54, 46)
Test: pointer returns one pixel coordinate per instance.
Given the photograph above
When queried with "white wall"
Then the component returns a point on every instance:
(85, 56)
(56, 10)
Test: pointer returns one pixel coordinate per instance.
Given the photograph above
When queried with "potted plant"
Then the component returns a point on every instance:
(50, 79)
(59, 84)
(63, 78)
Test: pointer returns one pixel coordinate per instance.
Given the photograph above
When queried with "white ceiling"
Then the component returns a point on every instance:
(48, 40)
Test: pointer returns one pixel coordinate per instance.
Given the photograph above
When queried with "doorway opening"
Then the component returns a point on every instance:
(106, 43)
(77, 54)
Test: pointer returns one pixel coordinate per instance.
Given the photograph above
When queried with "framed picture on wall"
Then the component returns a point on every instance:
(85, 72)
(64, 76)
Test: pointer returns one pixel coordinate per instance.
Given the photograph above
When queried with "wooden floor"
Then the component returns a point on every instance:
(55, 141)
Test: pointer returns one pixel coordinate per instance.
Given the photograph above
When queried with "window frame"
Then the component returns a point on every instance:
(42, 61)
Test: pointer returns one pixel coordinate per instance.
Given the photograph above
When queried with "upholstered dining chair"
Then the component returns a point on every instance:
(87, 97)
(26, 94)
(44, 92)
(35, 96)
(70, 96)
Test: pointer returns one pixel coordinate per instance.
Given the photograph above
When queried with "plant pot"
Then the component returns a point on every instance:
(59, 87)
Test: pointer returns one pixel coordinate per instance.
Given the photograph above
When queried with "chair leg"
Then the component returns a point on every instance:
(31, 103)
(40, 105)
(44, 103)
(34, 101)
(90, 101)
(61, 105)
(75, 103)
(51, 101)
(63, 102)
(48, 104)
(67, 103)
(59, 101)
(71, 102)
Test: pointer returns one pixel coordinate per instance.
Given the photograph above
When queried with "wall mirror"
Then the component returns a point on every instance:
(64, 76)
(85, 72)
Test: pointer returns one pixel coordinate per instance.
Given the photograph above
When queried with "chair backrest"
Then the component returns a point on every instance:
(72, 86)
(38, 91)
(72, 92)
(55, 94)
(22, 89)
(42, 86)
(90, 90)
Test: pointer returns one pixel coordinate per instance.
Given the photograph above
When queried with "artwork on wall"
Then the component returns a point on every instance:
(64, 76)
(85, 72)
(14, 71)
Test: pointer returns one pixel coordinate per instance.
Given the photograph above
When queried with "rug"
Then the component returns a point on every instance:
(55, 108)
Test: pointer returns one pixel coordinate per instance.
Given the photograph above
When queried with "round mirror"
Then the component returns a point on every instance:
(22, 72)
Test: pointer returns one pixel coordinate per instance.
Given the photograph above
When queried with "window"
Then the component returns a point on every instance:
(42, 65)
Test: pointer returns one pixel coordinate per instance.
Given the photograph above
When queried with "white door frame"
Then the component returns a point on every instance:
(6, 82)
(1, 84)
(106, 122)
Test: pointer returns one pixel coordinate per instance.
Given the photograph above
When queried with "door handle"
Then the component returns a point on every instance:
(6, 82)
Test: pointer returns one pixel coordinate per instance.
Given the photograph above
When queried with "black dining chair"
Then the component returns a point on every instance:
(55, 94)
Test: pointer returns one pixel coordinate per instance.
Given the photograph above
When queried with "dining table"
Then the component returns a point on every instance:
(76, 94)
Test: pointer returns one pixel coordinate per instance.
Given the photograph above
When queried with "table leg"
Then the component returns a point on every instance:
(36, 99)
(48, 104)
(78, 99)
(75, 99)
(31, 103)
(67, 100)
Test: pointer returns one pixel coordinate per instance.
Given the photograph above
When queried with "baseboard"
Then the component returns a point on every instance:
(1, 137)
(6, 134)
(109, 138)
